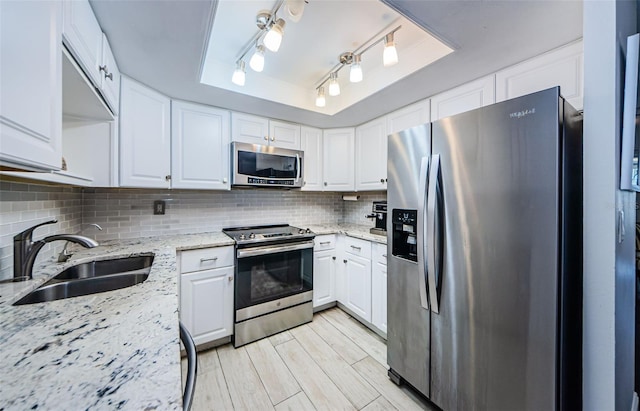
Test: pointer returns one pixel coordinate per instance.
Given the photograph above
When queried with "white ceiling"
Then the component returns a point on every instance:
(162, 43)
(311, 49)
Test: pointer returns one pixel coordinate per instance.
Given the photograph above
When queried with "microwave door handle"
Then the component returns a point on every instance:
(421, 237)
(298, 174)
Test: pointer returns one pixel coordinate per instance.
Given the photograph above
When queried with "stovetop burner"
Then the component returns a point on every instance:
(267, 233)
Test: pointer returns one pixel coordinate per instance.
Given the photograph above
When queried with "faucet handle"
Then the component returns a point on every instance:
(28, 233)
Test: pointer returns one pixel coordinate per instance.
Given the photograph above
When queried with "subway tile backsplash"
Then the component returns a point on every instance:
(128, 213)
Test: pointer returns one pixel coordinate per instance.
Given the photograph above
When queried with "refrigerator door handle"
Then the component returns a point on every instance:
(422, 198)
(432, 270)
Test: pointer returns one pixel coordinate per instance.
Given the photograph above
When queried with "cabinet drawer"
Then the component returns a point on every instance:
(357, 247)
(380, 253)
(324, 242)
(205, 259)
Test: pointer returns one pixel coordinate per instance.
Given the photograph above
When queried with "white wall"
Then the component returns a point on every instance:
(608, 369)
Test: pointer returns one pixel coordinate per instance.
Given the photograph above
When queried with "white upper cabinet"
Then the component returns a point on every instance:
(199, 146)
(259, 130)
(110, 81)
(83, 36)
(145, 137)
(562, 67)
(371, 155)
(338, 155)
(249, 129)
(469, 96)
(284, 135)
(31, 84)
(410, 116)
(311, 144)
(89, 46)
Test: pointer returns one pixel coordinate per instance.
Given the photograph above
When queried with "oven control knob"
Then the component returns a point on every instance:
(308, 231)
(301, 231)
(242, 237)
(252, 236)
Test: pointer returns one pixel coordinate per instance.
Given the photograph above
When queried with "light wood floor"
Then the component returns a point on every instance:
(332, 363)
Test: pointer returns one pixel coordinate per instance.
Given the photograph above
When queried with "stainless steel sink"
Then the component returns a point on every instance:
(91, 278)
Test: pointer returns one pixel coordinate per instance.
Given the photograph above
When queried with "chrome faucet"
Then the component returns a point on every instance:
(25, 249)
(64, 254)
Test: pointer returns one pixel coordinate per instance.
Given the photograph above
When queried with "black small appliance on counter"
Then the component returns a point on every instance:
(379, 213)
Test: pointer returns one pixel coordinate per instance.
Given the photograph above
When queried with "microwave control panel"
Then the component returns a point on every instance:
(266, 181)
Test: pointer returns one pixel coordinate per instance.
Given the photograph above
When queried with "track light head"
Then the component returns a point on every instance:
(390, 54)
(239, 74)
(257, 60)
(273, 39)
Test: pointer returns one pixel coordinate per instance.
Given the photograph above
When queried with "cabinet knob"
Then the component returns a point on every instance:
(230, 278)
(344, 261)
(167, 177)
(334, 257)
(325, 183)
(382, 180)
(266, 138)
(109, 76)
(386, 180)
(273, 139)
(103, 68)
(224, 180)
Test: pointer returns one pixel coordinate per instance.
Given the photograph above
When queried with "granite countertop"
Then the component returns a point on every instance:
(352, 230)
(113, 350)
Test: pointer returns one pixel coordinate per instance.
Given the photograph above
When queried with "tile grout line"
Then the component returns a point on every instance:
(226, 383)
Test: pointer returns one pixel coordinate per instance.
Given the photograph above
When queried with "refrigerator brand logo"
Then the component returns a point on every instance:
(523, 113)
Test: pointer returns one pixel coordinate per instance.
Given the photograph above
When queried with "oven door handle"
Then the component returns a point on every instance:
(271, 249)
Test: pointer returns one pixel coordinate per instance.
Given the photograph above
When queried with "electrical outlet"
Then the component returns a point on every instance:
(159, 207)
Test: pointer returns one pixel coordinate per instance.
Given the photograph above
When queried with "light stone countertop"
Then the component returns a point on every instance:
(112, 350)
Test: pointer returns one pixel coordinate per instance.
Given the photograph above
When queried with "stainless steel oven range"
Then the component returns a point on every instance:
(273, 280)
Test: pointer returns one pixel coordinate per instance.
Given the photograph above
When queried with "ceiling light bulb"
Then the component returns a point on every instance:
(355, 74)
(390, 54)
(321, 101)
(334, 86)
(239, 74)
(257, 60)
(274, 36)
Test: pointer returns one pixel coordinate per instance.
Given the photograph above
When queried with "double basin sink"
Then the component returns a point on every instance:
(91, 278)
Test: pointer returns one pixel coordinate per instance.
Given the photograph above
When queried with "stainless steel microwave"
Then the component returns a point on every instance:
(254, 165)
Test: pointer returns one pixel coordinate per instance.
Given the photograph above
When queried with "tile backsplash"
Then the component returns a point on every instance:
(25, 205)
(128, 213)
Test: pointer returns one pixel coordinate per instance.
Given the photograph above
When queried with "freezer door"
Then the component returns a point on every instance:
(408, 351)
(494, 325)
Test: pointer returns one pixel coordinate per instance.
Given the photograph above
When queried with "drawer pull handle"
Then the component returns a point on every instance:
(356, 247)
(325, 242)
(202, 260)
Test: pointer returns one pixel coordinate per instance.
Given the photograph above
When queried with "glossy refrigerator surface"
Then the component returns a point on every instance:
(408, 321)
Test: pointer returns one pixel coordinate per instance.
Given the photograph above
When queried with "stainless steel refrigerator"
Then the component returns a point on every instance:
(485, 269)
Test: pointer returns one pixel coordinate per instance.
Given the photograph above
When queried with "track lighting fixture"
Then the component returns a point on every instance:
(257, 60)
(355, 74)
(390, 54)
(238, 77)
(274, 36)
(321, 101)
(334, 86)
(354, 59)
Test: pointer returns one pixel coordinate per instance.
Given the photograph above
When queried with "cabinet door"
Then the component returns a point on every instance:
(475, 94)
(110, 77)
(414, 115)
(249, 129)
(83, 36)
(311, 144)
(324, 277)
(145, 133)
(561, 67)
(379, 296)
(284, 135)
(30, 84)
(206, 304)
(199, 146)
(337, 162)
(371, 155)
(358, 286)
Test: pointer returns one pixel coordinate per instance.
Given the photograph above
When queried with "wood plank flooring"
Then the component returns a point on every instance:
(332, 363)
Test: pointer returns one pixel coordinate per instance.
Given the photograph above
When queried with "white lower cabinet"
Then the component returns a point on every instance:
(357, 277)
(379, 287)
(324, 277)
(206, 295)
